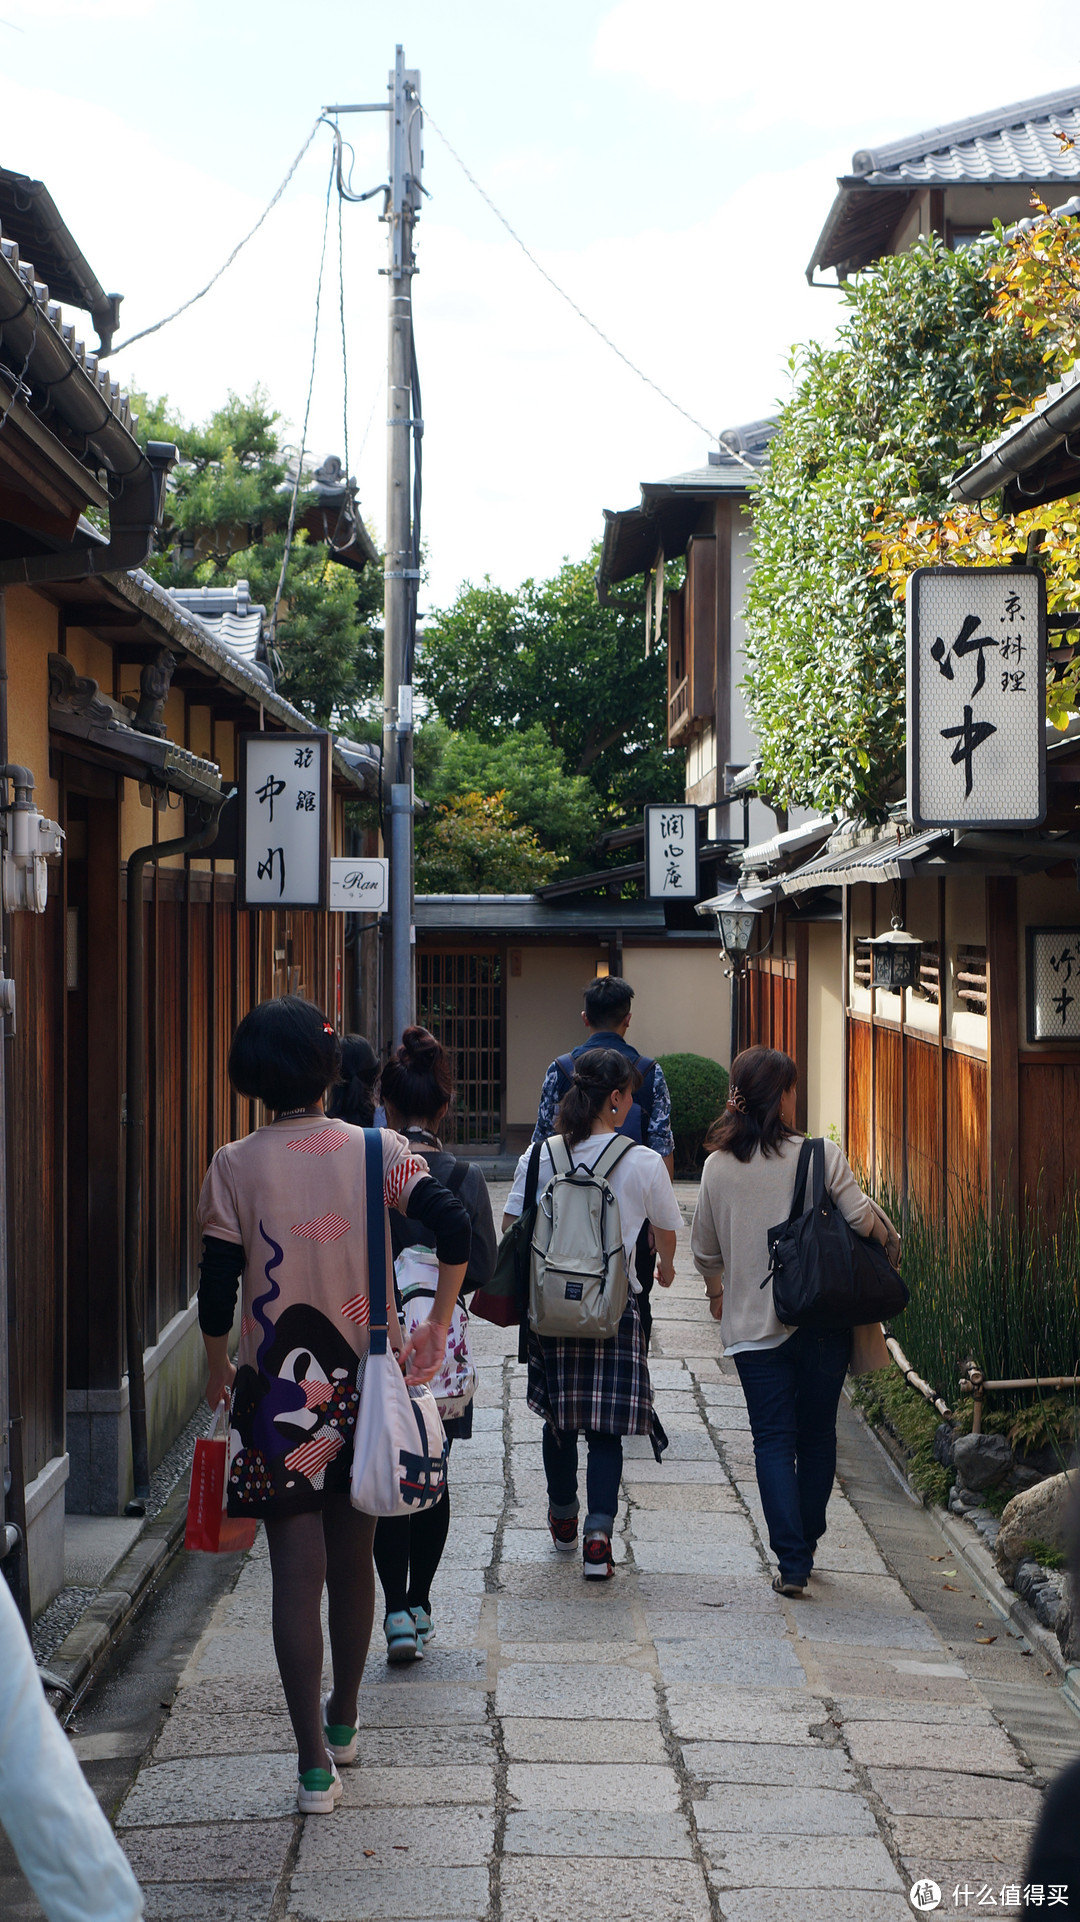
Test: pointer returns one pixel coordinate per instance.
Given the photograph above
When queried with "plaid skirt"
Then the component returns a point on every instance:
(603, 1385)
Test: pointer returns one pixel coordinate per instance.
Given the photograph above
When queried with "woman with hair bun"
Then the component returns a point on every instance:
(791, 1377)
(353, 1099)
(601, 1387)
(417, 1087)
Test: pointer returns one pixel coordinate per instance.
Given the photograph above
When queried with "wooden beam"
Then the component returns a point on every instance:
(1003, 1038)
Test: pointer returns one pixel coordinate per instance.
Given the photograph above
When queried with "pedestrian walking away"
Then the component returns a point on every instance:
(601, 1388)
(286, 1208)
(607, 1014)
(416, 1089)
(353, 1097)
(791, 1377)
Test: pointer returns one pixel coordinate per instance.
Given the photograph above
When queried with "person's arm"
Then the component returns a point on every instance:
(447, 1221)
(549, 1104)
(708, 1255)
(665, 1255)
(658, 1135)
(856, 1207)
(219, 1275)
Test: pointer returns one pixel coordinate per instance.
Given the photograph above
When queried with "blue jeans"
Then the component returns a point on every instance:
(602, 1476)
(792, 1394)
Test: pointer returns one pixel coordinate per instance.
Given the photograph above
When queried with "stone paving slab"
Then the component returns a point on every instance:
(528, 1740)
(799, 1862)
(932, 1792)
(815, 1905)
(390, 1785)
(867, 1628)
(745, 1715)
(728, 1660)
(211, 1851)
(589, 1616)
(453, 1838)
(612, 1787)
(990, 1752)
(925, 1836)
(208, 1901)
(573, 1694)
(390, 1895)
(609, 1890)
(598, 1832)
(240, 1788)
(779, 1765)
(784, 1811)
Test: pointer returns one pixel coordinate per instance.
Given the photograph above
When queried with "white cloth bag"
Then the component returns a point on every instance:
(400, 1448)
(417, 1271)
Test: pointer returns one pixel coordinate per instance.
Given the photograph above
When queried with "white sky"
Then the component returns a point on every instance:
(671, 165)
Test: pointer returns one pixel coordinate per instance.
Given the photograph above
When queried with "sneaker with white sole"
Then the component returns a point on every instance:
(596, 1562)
(318, 1791)
(340, 1739)
(402, 1642)
(563, 1532)
(425, 1627)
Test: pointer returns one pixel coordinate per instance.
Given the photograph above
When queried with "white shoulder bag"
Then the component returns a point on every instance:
(400, 1448)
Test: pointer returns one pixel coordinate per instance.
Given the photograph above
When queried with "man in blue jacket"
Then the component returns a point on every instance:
(606, 1015)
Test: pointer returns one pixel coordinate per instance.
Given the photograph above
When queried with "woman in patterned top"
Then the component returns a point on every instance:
(285, 1207)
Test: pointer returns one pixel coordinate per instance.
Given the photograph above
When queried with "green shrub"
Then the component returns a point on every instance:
(699, 1089)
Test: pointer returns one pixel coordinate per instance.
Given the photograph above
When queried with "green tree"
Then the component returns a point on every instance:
(563, 810)
(225, 520)
(475, 846)
(876, 425)
(499, 663)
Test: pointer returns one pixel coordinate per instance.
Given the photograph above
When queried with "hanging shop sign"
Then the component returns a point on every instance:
(671, 853)
(1053, 984)
(284, 782)
(976, 673)
(359, 887)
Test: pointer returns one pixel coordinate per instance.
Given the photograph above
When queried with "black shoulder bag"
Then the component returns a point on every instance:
(823, 1274)
(504, 1299)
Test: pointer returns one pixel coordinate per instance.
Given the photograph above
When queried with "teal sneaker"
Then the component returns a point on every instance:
(425, 1627)
(402, 1641)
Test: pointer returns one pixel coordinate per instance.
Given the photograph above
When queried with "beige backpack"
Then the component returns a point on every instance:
(578, 1284)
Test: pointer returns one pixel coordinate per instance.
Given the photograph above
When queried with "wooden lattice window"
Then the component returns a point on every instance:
(459, 997)
(863, 962)
(971, 977)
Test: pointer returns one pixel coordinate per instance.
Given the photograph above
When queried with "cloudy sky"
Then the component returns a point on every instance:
(671, 166)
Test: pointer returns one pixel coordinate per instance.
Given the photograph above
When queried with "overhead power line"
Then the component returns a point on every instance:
(298, 477)
(561, 291)
(240, 245)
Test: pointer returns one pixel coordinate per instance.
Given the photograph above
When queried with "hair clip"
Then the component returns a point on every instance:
(737, 1101)
(327, 1027)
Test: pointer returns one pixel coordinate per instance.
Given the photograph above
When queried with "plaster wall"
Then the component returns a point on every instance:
(824, 1029)
(921, 918)
(31, 638)
(543, 1018)
(681, 1000)
(965, 925)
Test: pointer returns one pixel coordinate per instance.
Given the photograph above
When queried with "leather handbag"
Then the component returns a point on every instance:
(400, 1447)
(503, 1299)
(823, 1274)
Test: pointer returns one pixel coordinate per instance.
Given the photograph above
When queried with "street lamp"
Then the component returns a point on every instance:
(896, 958)
(737, 919)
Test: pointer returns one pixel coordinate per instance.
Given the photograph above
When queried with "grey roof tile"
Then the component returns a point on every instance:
(1016, 142)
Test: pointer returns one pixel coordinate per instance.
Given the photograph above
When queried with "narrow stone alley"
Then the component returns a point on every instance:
(679, 1744)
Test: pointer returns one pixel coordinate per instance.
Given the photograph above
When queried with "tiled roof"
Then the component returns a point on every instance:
(669, 510)
(1017, 142)
(232, 617)
(53, 340)
(1008, 147)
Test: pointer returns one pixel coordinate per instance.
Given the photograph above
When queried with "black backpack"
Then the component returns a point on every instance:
(823, 1274)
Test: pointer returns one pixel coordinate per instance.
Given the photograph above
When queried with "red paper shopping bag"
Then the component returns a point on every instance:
(208, 1527)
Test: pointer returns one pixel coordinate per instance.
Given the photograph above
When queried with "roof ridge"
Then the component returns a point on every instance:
(868, 160)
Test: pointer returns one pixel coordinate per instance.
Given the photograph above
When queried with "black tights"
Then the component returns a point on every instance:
(308, 1552)
(408, 1550)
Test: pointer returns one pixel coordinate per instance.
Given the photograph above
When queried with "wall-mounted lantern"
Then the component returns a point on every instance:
(897, 955)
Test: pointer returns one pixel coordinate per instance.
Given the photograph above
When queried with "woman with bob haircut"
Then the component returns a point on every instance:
(791, 1377)
(417, 1087)
(286, 1208)
(602, 1387)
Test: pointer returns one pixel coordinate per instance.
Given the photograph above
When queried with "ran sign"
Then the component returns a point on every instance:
(284, 820)
(671, 858)
(360, 887)
(976, 668)
(1053, 984)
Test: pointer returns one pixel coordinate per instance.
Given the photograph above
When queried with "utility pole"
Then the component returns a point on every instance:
(402, 570)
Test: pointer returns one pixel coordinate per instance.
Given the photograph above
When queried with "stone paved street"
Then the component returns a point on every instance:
(678, 1744)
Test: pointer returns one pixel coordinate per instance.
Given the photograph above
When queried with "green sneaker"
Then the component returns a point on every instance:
(318, 1791)
(341, 1738)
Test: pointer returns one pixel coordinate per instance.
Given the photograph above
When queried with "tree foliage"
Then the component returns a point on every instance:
(225, 520)
(563, 810)
(874, 429)
(1034, 282)
(499, 663)
(475, 846)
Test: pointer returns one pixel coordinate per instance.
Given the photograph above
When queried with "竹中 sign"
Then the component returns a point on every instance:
(359, 887)
(671, 858)
(1053, 984)
(284, 782)
(976, 669)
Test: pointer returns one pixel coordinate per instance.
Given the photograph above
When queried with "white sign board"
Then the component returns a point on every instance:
(976, 669)
(1053, 984)
(671, 857)
(284, 784)
(359, 887)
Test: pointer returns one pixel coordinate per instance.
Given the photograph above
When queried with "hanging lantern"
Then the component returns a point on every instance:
(736, 918)
(897, 955)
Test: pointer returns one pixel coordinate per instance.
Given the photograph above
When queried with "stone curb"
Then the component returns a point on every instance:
(83, 1649)
(980, 1565)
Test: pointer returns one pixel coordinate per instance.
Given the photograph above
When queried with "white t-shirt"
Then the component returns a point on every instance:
(639, 1181)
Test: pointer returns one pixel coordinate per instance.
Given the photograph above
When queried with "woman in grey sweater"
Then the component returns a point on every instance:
(791, 1377)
